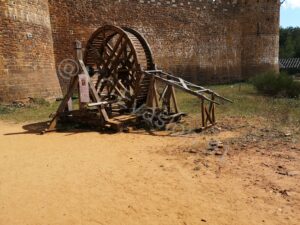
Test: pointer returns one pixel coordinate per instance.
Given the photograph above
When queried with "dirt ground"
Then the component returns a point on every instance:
(89, 178)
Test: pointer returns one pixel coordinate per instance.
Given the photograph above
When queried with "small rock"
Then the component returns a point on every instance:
(193, 151)
(283, 173)
(203, 220)
(293, 173)
(197, 160)
(219, 153)
(210, 148)
(205, 164)
(288, 134)
(220, 145)
(213, 143)
(197, 168)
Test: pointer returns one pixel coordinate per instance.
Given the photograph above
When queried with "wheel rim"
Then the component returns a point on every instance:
(119, 56)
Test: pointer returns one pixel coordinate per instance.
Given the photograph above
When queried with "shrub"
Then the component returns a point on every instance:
(5, 110)
(276, 85)
(294, 90)
(39, 101)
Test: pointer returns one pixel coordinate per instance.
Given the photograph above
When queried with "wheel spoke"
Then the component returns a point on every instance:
(119, 58)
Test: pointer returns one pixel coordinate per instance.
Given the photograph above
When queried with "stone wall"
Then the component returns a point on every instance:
(260, 40)
(200, 40)
(205, 41)
(27, 66)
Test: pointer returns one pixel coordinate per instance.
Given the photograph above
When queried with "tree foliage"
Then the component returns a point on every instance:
(276, 85)
(289, 42)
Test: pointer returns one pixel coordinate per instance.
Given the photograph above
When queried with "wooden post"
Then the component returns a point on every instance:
(63, 104)
(174, 100)
(78, 47)
(155, 93)
(151, 93)
(167, 98)
(213, 109)
(203, 113)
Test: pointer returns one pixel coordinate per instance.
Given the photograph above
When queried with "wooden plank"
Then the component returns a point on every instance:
(183, 83)
(182, 88)
(203, 113)
(97, 104)
(150, 96)
(70, 105)
(213, 111)
(114, 51)
(174, 100)
(63, 104)
(155, 93)
(94, 93)
(116, 59)
(208, 116)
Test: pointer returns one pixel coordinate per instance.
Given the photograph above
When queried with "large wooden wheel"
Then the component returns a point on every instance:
(118, 56)
(117, 74)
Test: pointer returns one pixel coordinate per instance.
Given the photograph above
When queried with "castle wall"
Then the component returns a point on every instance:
(27, 66)
(205, 41)
(260, 41)
(198, 39)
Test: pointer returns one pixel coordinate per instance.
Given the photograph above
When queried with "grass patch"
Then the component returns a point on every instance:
(247, 103)
(35, 111)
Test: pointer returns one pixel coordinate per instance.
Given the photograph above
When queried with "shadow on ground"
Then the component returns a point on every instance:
(33, 128)
(40, 127)
(73, 128)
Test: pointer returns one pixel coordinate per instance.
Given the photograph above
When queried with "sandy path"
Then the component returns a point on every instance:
(91, 178)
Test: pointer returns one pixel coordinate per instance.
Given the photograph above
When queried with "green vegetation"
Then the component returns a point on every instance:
(290, 42)
(277, 85)
(38, 110)
(248, 103)
(290, 46)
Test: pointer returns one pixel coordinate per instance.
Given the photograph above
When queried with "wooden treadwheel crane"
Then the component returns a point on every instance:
(118, 83)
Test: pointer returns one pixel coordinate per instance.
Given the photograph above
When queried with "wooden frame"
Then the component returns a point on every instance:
(168, 97)
(123, 75)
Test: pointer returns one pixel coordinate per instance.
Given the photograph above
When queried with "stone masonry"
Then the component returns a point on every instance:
(27, 66)
(204, 41)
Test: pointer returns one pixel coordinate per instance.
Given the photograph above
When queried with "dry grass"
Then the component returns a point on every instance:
(38, 111)
(247, 103)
